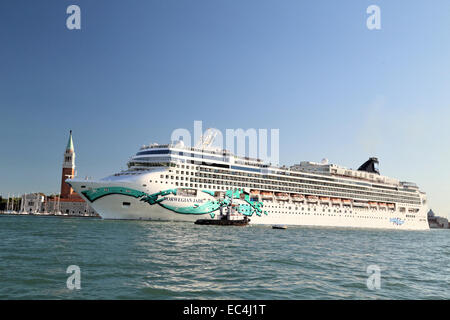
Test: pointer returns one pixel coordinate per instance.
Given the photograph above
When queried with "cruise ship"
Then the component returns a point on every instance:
(174, 182)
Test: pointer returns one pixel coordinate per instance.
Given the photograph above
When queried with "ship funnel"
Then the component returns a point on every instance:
(370, 166)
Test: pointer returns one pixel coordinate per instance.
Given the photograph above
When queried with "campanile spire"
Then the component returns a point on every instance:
(68, 169)
(70, 142)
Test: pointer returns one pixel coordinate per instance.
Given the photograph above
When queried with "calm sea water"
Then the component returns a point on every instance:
(163, 260)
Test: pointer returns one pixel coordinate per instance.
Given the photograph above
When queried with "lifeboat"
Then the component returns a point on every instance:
(324, 199)
(373, 204)
(254, 192)
(391, 206)
(336, 202)
(298, 197)
(312, 198)
(382, 205)
(266, 195)
(347, 202)
(281, 196)
(360, 204)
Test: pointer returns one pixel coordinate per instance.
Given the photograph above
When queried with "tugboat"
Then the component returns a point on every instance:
(231, 218)
(223, 221)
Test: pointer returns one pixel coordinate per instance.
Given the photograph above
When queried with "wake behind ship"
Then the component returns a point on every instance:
(178, 183)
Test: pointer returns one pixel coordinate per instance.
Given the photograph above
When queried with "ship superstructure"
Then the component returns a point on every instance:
(179, 183)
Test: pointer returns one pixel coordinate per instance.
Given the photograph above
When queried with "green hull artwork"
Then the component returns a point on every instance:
(248, 208)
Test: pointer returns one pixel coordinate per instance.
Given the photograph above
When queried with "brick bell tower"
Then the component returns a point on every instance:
(68, 169)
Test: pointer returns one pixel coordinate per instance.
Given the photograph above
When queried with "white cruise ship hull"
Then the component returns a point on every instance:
(117, 200)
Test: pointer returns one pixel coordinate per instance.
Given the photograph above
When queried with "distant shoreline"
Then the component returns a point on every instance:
(47, 215)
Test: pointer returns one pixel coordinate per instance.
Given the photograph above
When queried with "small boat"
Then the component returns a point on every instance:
(335, 200)
(277, 226)
(223, 222)
(346, 202)
(360, 204)
(324, 199)
(266, 195)
(281, 196)
(298, 197)
(312, 198)
(373, 204)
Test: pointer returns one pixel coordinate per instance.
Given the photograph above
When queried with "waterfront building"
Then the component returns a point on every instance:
(32, 203)
(437, 222)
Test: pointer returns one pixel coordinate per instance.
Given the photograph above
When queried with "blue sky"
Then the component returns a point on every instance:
(137, 70)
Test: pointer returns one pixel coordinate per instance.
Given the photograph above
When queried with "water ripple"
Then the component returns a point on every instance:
(155, 260)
